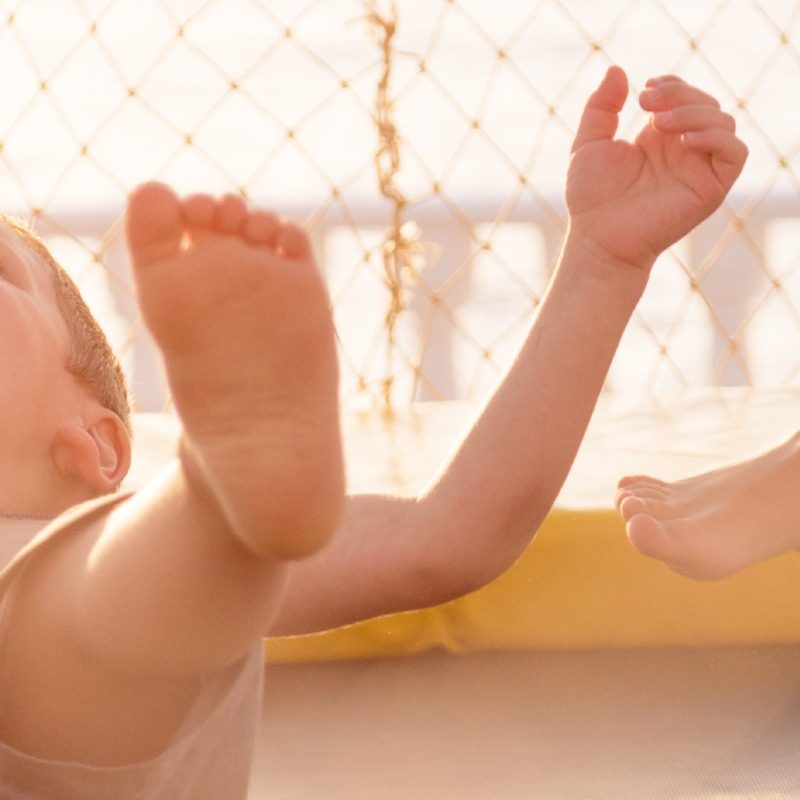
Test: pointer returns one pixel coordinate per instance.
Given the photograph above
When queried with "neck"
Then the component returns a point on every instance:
(33, 489)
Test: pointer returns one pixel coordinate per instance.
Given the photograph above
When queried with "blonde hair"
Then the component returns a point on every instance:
(90, 359)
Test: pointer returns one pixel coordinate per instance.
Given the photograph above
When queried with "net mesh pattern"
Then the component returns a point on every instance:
(424, 145)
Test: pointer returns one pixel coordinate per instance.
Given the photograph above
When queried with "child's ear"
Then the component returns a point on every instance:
(97, 452)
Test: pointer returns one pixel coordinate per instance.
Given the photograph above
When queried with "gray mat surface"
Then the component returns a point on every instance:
(648, 724)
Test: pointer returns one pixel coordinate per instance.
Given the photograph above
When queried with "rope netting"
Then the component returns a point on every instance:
(425, 146)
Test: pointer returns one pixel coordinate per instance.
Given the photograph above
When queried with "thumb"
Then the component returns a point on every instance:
(601, 115)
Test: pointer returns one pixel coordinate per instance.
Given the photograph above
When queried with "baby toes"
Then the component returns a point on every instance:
(651, 538)
(293, 242)
(262, 227)
(199, 210)
(154, 224)
(231, 214)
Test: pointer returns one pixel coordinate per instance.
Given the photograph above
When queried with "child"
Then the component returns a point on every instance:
(131, 627)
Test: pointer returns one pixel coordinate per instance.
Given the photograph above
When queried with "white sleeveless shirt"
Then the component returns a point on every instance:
(210, 756)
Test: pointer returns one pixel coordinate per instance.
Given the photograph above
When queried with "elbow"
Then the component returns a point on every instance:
(481, 549)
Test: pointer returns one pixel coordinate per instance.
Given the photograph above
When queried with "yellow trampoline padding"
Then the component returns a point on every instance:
(580, 584)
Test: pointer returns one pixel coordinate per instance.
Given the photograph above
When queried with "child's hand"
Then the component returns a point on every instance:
(630, 201)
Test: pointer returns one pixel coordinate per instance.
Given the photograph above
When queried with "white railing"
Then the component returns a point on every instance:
(726, 262)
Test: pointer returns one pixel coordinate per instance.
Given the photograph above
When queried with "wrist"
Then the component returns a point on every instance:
(598, 256)
(583, 260)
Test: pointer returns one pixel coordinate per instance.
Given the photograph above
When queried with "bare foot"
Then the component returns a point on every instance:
(713, 525)
(241, 315)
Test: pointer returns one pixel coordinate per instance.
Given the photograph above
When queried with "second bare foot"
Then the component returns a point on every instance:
(713, 525)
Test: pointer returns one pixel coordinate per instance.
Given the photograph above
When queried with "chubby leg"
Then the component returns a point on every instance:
(241, 315)
(713, 525)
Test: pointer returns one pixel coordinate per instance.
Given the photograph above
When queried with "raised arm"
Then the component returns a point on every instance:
(627, 202)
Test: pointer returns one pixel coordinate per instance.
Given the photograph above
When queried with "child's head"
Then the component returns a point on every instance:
(63, 394)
